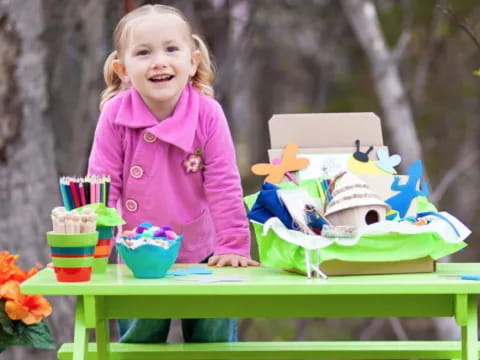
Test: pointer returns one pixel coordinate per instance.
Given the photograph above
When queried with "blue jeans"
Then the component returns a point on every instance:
(194, 330)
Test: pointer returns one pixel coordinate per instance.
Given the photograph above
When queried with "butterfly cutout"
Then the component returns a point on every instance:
(276, 171)
(386, 162)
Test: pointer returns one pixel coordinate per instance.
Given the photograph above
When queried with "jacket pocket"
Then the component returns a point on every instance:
(198, 237)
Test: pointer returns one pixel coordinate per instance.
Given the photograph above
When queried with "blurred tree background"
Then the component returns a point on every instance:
(410, 62)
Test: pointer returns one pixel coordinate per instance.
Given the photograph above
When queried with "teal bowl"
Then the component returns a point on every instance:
(149, 261)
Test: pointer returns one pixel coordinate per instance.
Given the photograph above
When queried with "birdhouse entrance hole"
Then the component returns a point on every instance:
(371, 217)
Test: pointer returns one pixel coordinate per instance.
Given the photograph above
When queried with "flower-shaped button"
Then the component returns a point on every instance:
(131, 205)
(136, 172)
(149, 137)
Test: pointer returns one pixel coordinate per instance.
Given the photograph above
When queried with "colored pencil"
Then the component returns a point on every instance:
(76, 200)
(107, 191)
(86, 188)
(64, 195)
(82, 193)
(100, 196)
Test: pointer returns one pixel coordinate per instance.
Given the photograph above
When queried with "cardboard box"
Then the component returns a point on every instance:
(325, 130)
(345, 268)
(333, 133)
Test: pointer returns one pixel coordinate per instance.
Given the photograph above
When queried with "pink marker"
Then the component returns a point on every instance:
(287, 173)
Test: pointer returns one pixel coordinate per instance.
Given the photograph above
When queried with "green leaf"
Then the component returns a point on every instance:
(39, 336)
(36, 336)
(476, 72)
(6, 324)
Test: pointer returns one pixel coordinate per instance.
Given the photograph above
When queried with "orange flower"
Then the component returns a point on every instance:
(31, 309)
(10, 271)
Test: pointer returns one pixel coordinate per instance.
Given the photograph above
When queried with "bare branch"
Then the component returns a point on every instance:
(421, 73)
(404, 39)
(451, 176)
(462, 23)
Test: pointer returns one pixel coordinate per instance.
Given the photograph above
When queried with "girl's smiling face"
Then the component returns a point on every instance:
(157, 58)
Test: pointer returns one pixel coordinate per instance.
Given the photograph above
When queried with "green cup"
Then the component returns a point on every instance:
(72, 255)
(102, 249)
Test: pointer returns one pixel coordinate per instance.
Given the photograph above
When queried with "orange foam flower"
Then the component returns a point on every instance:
(30, 309)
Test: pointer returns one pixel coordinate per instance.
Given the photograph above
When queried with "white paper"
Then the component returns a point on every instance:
(324, 165)
(312, 242)
(211, 279)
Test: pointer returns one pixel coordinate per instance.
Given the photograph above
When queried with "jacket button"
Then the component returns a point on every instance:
(136, 172)
(131, 205)
(149, 138)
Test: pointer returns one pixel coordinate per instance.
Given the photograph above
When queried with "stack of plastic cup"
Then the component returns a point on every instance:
(72, 255)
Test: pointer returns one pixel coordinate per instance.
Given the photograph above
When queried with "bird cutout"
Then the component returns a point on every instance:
(276, 171)
(359, 163)
(408, 191)
(386, 162)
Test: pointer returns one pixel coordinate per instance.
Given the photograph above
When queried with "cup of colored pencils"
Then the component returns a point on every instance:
(78, 191)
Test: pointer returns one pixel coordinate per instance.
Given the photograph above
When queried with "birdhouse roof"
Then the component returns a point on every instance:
(352, 192)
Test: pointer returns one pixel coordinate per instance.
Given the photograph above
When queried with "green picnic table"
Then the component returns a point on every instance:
(267, 293)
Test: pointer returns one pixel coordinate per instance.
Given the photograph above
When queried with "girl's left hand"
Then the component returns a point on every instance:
(231, 260)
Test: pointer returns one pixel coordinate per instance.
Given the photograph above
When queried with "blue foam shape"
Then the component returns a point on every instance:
(196, 270)
(200, 270)
(470, 276)
(178, 272)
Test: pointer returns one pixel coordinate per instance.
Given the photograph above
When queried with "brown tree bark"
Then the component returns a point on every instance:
(51, 64)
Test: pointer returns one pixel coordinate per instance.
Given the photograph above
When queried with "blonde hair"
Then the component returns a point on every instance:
(203, 78)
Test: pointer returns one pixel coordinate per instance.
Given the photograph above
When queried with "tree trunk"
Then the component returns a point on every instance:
(390, 90)
(27, 172)
(397, 112)
(51, 75)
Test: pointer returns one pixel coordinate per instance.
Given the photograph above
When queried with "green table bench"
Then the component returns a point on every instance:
(268, 293)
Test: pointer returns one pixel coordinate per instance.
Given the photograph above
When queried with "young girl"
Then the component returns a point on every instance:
(165, 143)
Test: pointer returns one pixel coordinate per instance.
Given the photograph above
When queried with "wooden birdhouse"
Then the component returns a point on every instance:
(354, 203)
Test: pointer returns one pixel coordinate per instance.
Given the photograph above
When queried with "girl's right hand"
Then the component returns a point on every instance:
(231, 260)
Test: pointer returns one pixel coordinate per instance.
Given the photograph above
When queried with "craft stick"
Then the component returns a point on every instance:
(76, 219)
(68, 224)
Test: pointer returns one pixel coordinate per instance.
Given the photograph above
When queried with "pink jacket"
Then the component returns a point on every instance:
(150, 181)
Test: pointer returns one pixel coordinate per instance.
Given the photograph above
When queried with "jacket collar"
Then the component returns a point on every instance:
(178, 129)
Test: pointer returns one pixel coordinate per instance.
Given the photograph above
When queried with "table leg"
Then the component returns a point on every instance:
(80, 334)
(470, 331)
(102, 332)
